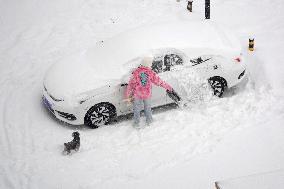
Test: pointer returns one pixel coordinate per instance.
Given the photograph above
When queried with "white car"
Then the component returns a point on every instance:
(89, 87)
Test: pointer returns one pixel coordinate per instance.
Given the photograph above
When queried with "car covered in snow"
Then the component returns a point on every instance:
(89, 87)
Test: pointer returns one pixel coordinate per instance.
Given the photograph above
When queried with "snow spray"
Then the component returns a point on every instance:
(192, 88)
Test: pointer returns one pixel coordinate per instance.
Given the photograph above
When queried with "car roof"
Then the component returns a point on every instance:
(181, 35)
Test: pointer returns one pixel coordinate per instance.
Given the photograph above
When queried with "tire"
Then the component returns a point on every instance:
(218, 85)
(99, 115)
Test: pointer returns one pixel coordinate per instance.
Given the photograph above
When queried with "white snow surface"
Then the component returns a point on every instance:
(211, 139)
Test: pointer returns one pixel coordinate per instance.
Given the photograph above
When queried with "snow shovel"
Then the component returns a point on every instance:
(174, 96)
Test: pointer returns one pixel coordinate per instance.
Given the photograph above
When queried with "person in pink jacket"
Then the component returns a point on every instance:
(139, 89)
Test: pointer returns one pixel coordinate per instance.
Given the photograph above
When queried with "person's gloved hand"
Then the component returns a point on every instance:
(169, 91)
(173, 95)
(128, 101)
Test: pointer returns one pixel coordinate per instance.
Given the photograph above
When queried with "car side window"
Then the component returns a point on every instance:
(165, 63)
(157, 65)
(171, 60)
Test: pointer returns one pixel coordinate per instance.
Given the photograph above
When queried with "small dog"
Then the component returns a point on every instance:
(73, 145)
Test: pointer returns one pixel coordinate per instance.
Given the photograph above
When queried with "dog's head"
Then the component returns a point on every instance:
(76, 134)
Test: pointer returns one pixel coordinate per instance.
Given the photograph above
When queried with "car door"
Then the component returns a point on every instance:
(159, 96)
(173, 63)
(168, 67)
(123, 107)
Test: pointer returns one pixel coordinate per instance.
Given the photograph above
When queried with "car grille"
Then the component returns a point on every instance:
(70, 117)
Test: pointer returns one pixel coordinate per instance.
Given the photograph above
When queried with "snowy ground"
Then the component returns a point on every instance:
(240, 134)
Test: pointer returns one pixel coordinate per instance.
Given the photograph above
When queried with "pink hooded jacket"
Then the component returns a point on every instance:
(140, 84)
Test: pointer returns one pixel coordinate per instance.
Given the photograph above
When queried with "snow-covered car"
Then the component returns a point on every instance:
(89, 87)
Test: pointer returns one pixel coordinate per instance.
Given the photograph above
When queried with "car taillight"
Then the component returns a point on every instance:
(238, 59)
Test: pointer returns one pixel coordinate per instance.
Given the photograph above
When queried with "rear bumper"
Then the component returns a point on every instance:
(237, 76)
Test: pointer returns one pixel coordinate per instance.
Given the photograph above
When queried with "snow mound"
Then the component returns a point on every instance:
(274, 179)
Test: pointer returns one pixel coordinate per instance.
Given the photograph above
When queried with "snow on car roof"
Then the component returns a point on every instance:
(180, 35)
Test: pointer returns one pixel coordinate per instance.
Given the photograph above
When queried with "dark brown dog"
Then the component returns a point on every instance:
(73, 145)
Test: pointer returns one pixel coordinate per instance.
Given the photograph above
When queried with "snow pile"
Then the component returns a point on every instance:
(274, 179)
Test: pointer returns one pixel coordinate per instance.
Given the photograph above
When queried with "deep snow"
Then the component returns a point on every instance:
(240, 134)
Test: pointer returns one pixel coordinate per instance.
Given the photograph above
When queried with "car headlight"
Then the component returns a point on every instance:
(52, 97)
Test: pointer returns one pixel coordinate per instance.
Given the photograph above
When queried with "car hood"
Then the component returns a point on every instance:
(76, 75)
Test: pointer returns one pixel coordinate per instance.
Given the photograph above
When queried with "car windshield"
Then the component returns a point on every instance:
(110, 62)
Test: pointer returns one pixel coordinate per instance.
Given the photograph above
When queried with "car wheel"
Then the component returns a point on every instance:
(99, 115)
(218, 85)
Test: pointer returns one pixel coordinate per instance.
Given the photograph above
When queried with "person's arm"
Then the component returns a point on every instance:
(158, 81)
(129, 88)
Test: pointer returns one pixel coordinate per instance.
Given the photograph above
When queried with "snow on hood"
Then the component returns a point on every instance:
(76, 75)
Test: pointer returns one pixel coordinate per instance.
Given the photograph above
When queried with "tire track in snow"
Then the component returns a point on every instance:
(17, 140)
(8, 178)
(21, 148)
(6, 143)
(21, 73)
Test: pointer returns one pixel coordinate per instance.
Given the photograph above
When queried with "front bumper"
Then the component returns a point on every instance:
(62, 112)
